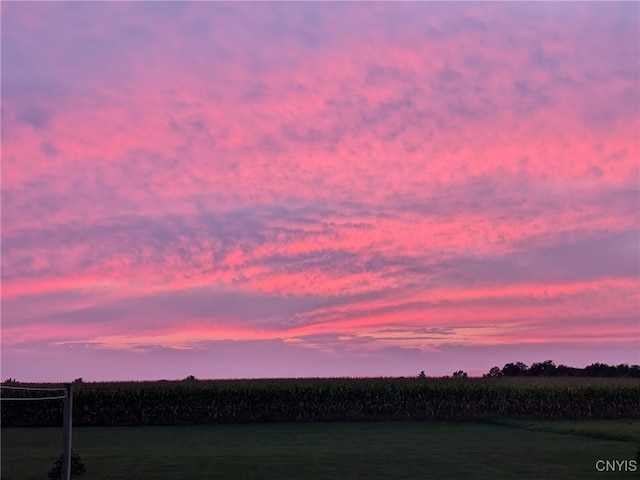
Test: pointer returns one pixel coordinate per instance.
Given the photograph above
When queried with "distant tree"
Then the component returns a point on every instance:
(422, 375)
(544, 369)
(11, 381)
(548, 368)
(494, 372)
(565, 371)
(517, 369)
(460, 374)
(605, 370)
(626, 370)
(600, 370)
(78, 380)
(190, 378)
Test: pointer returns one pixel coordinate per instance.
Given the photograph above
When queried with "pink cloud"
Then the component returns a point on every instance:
(473, 171)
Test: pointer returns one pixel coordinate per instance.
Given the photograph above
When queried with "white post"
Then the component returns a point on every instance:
(66, 433)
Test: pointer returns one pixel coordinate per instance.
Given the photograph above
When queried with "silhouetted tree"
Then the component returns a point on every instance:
(626, 370)
(494, 372)
(565, 371)
(548, 368)
(517, 369)
(600, 370)
(460, 374)
(544, 369)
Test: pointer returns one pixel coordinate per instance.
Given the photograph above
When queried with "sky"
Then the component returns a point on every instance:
(244, 190)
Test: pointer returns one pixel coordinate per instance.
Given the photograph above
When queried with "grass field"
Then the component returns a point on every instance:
(354, 450)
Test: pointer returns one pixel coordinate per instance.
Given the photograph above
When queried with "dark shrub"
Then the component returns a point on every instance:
(77, 466)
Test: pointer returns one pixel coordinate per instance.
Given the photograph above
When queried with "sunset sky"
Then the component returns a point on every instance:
(236, 190)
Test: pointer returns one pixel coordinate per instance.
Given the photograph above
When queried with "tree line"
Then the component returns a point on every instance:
(549, 369)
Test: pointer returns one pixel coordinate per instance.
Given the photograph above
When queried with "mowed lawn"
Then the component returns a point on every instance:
(367, 450)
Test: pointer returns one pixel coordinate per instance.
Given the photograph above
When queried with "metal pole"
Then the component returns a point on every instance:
(66, 433)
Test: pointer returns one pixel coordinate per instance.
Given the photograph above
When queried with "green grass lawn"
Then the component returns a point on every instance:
(367, 450)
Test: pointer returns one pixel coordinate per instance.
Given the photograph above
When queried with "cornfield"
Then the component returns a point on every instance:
(304, 400)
